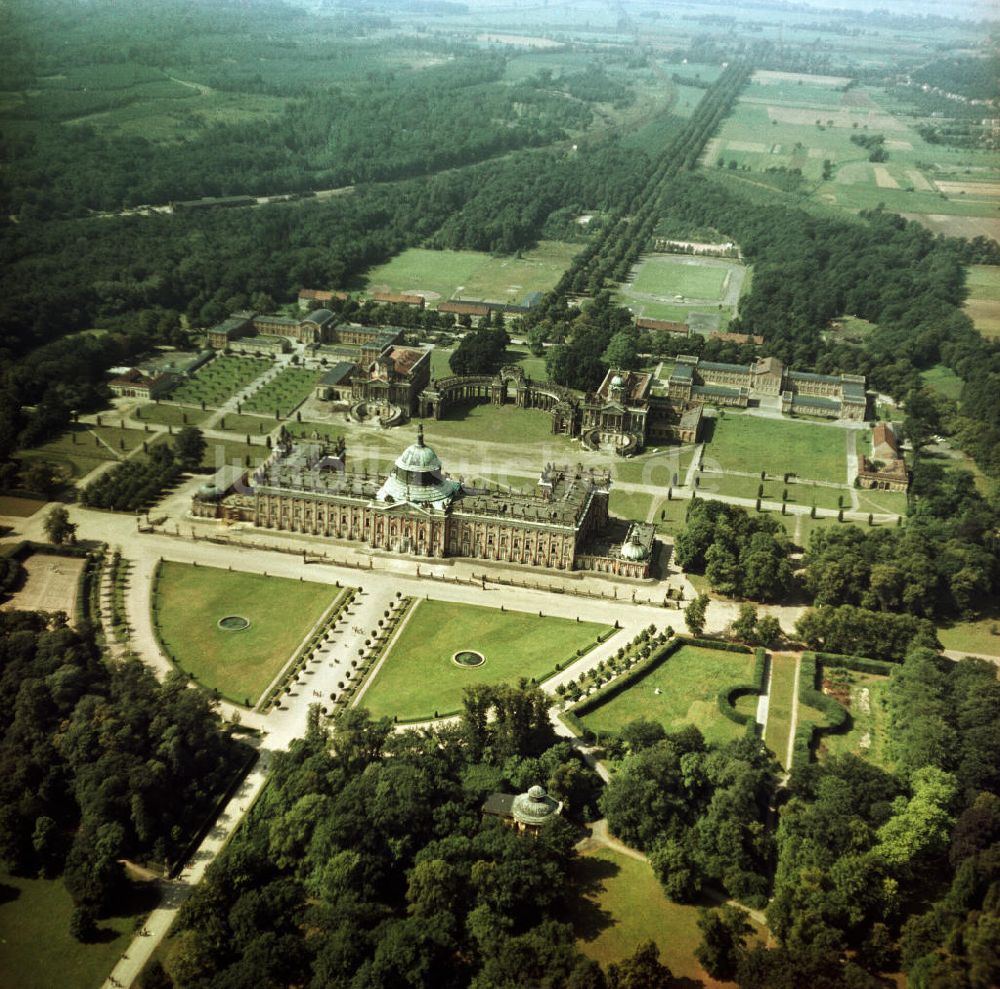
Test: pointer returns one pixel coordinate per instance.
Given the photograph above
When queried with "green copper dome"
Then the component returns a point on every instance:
(633, 551)
(535, 807)
(416, 477)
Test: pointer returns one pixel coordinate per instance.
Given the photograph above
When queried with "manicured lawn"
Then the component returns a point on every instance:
(741, 486)
(170, 415)
(254, 425)
(752, 443)
(881, 501)
(671, 516)
(869, 733)
(981, 636)
(224, 453)
(655, 470)
(36, 949)
(629, 505)
(495, 424)
(688, 683)
(780, 703)
(283, 393)
(614, 903)
(680, 275)
(190, 602)
(418, 676)
(472, 274)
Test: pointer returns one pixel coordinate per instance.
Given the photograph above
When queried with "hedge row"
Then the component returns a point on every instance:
(627, 679)
(836, 714)
(726, 697)
(717, 644)
(861, 664)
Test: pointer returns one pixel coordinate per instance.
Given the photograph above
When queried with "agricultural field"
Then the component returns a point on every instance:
(442, 275)
(219, 380)
(419, 678)
(798, 122)
(38, 951)
(188, 602)
(813, 451)
(615, 902)
(283, 394)
(682, 690)
(983, 303)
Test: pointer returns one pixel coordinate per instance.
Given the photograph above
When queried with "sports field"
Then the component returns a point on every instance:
(190, 600)
(983, 303)
(682, 690)
(680, 275)
(441, 275)
(418, 676)
(813, 451)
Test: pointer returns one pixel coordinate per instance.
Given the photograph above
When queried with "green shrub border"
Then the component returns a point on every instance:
(807, 733)
(571, 716)
(728, 696)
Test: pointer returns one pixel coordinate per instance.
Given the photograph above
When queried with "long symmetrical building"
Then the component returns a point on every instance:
(419, 510)
(841, 396)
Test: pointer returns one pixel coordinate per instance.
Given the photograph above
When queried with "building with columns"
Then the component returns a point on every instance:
(419, 510)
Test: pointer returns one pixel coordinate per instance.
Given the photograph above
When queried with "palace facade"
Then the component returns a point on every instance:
(419, 510)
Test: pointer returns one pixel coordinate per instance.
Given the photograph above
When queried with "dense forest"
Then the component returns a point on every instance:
(99, 761)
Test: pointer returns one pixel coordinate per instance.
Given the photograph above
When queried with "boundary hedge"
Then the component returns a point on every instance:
(727, 697)
(838, 719)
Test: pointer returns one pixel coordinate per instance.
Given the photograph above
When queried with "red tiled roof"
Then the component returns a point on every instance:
(402, 297)
(662, 325)
(465, 308)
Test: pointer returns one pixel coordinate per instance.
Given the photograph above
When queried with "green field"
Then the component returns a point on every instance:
(418, 676)
(981, 636)
(83, 447)
(800, 124)
(494, 424)
(226, 453)
(630, 504)
(219, 380)
(472, 274)
(672, 274)
(689, 682)
(743, 486)
(190, 600)
(943, 380)
(983, 304)
(614, 903)
(254, 425)
(36, 949)
(751, 443)
(169, 415)
(781, 702)
(283, 394)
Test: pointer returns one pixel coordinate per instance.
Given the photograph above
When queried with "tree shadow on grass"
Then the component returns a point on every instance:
(8, 893)
(584, 912)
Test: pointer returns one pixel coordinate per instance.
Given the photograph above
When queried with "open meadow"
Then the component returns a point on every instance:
(442, 275)
(419, 678)
(682, 690)
(36, 949)
(812, 451)
(615, 902)
(188, 602)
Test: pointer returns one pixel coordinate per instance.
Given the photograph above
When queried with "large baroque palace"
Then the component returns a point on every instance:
(419, 510)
